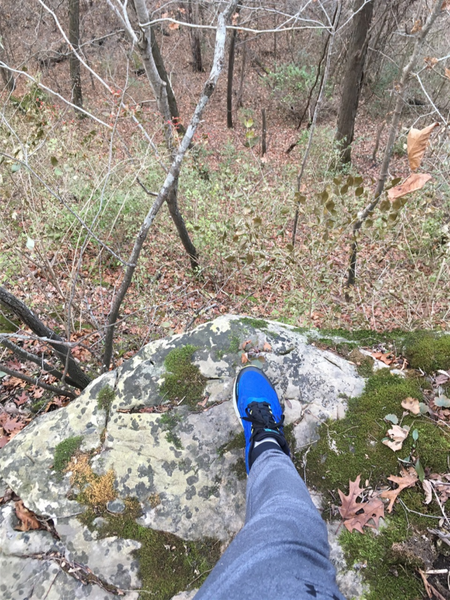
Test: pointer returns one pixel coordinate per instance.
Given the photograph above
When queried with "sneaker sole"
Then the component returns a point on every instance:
(235, 403)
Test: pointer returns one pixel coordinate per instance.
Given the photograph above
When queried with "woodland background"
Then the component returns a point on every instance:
(117, 228)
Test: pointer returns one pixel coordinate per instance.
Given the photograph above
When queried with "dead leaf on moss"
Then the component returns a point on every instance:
(408, 479)
(357, 515)
(416, 144)
(415, 182)
(411, 404)
(398, 435)
(428, 489)
(441, 484)
(27, 517)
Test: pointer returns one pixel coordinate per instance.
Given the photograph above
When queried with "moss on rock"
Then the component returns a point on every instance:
(183, 380)
(105, 398)
(64, 452)
(167, 563)
(428, 351)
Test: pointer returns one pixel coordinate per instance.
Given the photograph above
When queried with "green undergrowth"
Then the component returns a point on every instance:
(167, 563)
(105, 398)
(64, 452)
(353, 446)
(183, 380)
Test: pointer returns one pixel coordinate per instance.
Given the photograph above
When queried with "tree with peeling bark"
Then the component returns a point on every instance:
(353, 76)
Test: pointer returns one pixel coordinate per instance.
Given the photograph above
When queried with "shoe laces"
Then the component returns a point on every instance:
(260, 415)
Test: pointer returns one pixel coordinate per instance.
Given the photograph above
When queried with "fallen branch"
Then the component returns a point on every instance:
(50, 388)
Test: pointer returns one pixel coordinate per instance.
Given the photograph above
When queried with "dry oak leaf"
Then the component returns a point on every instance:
(408, 479)
(357, 515)
(417, 142)
(415, 182)
(428, 489)
(27, 517)
(447, 73)
(417, 26)
(244, 358)
(411, 404)
(398, 435)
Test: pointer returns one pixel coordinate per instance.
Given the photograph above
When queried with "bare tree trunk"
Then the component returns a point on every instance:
(74, 39)
(230, 79)
(171, 178)
(194, 36)
(159, 62)
(178, 220)
(400, 90)
(264, 132)
(353, 77)
(77, 376)
(6, 74)
(242, 76)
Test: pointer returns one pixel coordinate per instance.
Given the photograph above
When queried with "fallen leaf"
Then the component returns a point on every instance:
(428, 489)
(392, 418)
(38, 393)
(415, 182)
(267, 347)
(27, 517)
(398, 435)
(174, 26)
(12, 424)
(417, 26)
(21, 399)
(441, 484)
(416, 144)
(357, 515)
(244, 344)
(408, 479)
(431, 61)
(447, 73)
(412, 405)
(387, 358)
(442, 402)
(244, 358)
(3, 441)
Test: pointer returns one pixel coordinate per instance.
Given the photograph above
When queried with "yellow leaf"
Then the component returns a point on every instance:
(415, 182)
(412, 405)
(417, 143)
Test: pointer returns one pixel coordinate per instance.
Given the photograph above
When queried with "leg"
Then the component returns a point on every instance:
(282, 550)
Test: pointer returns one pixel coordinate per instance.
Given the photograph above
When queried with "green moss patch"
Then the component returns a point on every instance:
(168, 422)
(428, 351)
(183, 380)
(353, 446)
(105, 398)
(255, 323)
(64, 452)
(167, 563)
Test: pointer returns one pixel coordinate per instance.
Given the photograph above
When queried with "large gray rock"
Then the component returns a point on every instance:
(182, 473)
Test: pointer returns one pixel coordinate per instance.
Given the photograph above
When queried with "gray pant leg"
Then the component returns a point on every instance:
(282, 550)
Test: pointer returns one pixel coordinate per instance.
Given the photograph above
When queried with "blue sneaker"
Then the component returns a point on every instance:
(257, 406)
